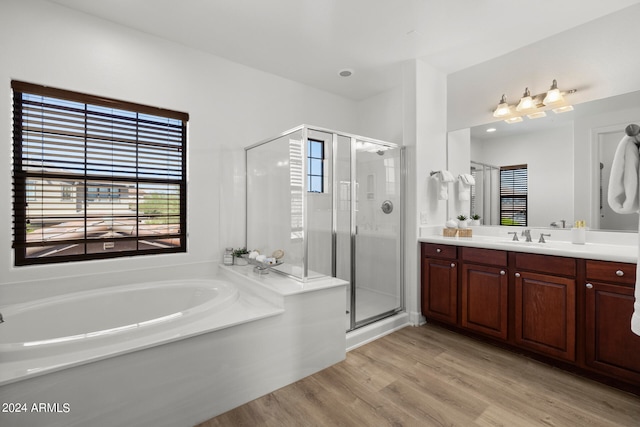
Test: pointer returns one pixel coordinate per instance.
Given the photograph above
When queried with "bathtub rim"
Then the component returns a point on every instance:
(227, 294)
(247, 308)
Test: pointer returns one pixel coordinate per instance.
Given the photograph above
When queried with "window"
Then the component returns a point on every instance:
(95, 177)
(513, 195)
(315, 166)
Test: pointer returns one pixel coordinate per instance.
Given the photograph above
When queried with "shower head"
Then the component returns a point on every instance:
(380, 152)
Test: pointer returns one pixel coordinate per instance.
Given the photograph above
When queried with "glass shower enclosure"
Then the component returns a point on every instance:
(334, 203)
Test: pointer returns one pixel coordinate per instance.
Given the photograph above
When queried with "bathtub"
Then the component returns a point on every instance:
(84, 320)
(164, 354)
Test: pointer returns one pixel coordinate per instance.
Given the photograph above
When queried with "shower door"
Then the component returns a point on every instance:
(376, 241)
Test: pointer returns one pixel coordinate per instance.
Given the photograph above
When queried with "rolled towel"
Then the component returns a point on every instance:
(445, 177)
(261, 258)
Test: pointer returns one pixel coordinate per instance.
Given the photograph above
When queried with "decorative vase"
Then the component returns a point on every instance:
(462, 223)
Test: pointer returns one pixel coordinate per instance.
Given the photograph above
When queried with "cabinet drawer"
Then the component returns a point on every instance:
(611, 272)
(546, 264)
(484, 256)
(435, 250)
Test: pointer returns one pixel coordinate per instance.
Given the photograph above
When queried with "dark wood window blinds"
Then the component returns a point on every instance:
(513, 195)
(95, 177)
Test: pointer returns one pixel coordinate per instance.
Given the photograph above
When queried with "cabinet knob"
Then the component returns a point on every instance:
(453, 265)
(589, 286)
(517, 274)
(502, 272)
(438, 250)
(619, 273)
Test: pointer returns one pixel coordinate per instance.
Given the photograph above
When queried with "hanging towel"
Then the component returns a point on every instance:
(623, 183)
(465, 181)
(623, 198)
(445, 177)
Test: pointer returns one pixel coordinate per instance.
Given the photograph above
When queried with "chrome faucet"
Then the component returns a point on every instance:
(541, 240)
(515, 235)
(1, 319)
(527, 234)
(556, 225)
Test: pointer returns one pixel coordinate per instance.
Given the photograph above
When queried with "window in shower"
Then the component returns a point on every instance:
(513, 195)
(315, 166)
(94, 177)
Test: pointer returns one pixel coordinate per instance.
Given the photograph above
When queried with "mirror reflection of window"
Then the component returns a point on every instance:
(513, 195)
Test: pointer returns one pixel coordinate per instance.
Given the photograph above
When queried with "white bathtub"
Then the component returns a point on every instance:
(83, 320)
(165, 354)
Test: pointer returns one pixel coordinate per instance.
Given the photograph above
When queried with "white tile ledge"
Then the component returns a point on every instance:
(605, 246)
(281, 284)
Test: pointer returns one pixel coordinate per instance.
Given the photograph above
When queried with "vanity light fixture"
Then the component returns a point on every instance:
(553, 97)
(537, 115)
(564, 109)
(534, 106)
(526, 102)
(503, 108)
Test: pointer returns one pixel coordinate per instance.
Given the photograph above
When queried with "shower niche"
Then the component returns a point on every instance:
(333, 202)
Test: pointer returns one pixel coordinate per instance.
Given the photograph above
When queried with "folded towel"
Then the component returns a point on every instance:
(623, 182)
(465, 181)
(445, 177)
(623, 198)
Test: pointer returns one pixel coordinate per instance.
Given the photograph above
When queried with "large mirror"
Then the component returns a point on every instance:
(567, 156)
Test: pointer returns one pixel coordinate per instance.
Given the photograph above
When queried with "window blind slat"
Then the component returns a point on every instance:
(86, 173)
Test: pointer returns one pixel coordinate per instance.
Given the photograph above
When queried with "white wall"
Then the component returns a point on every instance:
(230, 106)
(380, 116)
(424, 100)
(596, 58)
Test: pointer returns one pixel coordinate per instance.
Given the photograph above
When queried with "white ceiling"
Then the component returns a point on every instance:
(309, 41)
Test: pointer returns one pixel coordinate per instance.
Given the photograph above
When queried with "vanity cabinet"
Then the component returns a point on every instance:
(440, 282)
(572, 313)
(484, 291)
(610, 345)
(545, 304)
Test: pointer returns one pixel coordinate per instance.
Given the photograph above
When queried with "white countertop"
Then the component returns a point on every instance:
(600, 245)
(281, 284)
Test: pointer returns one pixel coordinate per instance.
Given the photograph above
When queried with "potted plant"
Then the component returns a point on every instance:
(475, 219)
(462, 221)
(239, 256)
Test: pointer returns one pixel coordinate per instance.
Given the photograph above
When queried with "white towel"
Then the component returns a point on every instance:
(445, 177)
(623, 198)
(465, 181)
(623, 183)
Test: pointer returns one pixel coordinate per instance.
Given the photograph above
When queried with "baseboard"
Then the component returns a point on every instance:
(372, 332)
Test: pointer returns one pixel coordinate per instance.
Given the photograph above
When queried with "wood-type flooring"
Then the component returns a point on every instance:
(429, 376)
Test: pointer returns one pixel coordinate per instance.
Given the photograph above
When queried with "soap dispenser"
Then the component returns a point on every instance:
(579, 233)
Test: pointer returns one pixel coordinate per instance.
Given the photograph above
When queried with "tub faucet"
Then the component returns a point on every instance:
(527, 234)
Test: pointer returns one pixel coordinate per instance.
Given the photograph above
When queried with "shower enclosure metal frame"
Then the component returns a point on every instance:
(305, 130)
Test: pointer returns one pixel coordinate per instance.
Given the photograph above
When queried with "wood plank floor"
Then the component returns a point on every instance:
(428, 376)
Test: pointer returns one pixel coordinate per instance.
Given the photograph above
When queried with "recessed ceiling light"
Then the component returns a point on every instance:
(491, 130)
(345, 72)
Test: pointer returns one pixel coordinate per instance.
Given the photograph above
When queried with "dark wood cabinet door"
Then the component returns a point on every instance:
(610, 345)
(439, 289)
(545, 314)
(484, 304)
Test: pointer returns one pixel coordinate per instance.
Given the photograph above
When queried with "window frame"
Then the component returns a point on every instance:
(310, 159)
(517, 192)
(138, 116)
